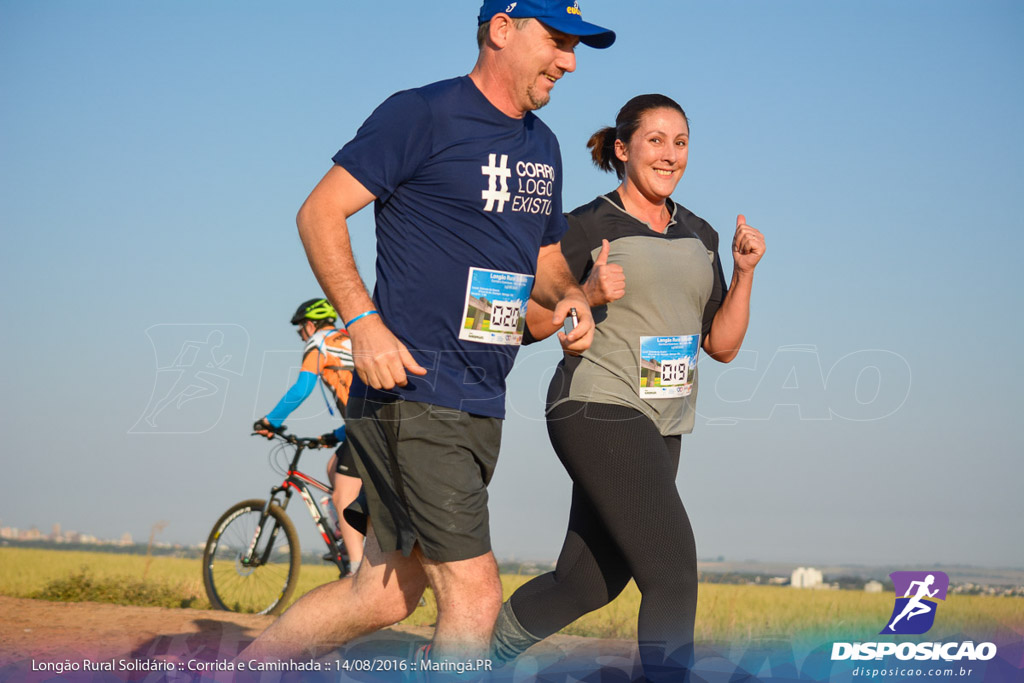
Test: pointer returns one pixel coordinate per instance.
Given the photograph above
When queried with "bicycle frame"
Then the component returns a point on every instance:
(297, 481)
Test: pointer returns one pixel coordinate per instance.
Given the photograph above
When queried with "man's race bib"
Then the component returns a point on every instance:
(667, 365)
(495, 310)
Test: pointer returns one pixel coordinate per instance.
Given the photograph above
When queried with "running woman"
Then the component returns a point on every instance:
(615, 414)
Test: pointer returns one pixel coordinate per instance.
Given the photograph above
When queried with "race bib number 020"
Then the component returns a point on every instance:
(667, 365)
(495, 310)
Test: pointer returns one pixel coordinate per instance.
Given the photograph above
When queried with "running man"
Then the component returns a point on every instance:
(327, 357)
(916, 605)
(467, 186)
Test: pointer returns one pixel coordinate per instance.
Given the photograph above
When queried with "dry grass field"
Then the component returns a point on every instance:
(725, 612)
(731, 613)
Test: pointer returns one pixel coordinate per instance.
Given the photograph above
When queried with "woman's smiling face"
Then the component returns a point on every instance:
(655, 157)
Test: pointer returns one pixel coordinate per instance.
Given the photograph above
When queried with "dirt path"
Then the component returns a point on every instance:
(35, 633)
(41, 629)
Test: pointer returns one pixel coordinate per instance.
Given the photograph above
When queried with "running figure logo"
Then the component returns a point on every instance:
(194, 367)
(914, 612)
(493, 172)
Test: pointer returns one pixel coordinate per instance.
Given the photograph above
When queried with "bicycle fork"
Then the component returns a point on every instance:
(248, 560)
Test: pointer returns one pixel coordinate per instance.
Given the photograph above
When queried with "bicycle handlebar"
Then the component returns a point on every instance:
(304, 441)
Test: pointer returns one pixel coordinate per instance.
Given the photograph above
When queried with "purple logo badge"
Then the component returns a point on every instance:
(916, 596)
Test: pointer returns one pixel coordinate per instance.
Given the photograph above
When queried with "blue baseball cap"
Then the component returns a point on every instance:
(561, 15)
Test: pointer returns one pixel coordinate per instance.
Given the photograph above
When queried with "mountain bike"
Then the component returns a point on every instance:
(252, 557)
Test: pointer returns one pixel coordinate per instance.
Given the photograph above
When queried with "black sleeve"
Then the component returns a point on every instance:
(577, 255)
(718, 288)
(528, 337)
(576, 249)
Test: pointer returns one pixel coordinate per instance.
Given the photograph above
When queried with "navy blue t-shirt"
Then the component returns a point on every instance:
(459, 185)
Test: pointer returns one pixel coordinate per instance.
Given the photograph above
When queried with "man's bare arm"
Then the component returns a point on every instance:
(605, 284)
(555, 289)
(381, 360)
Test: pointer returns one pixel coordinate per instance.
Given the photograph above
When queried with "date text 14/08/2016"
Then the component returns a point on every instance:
(458, 667)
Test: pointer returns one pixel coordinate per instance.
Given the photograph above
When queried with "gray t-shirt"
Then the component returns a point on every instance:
(674, 286)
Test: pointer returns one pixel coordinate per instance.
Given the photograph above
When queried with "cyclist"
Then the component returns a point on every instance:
(327, 356)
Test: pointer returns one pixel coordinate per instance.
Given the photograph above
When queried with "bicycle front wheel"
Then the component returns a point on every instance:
(260, 582)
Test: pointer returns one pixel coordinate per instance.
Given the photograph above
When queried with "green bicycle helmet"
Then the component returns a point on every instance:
(314, 309)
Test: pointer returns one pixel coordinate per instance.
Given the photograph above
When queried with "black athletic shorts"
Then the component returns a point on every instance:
(425, 471)
(344, 463)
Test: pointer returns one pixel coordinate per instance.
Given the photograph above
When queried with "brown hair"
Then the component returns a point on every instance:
(602, 143)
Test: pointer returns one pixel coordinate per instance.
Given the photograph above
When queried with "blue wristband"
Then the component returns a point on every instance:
(361, 315)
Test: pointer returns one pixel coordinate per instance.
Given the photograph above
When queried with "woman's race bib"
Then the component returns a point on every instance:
(667, 365)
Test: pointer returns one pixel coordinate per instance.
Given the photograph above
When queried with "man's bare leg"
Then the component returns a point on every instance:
(386, 589)
(468, 596)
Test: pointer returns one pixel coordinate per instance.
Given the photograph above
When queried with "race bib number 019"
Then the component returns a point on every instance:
(667, 365)
(495, 310)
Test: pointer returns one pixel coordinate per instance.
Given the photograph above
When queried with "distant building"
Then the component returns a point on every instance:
(806, 577)
(873, 587)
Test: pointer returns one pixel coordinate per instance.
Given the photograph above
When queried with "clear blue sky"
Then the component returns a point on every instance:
(154, 156)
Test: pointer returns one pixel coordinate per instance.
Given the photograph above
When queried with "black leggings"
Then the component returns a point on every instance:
(626, 520)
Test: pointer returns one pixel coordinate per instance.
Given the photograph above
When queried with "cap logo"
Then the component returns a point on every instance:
(511, 7)
(575, 9)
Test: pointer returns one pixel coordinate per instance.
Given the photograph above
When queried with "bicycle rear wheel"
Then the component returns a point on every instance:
(263, 585)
